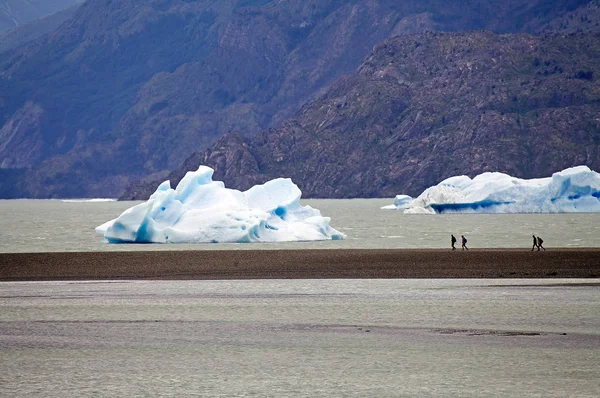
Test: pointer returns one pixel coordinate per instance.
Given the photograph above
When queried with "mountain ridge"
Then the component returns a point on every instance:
(15, 13)
(127, 90)
(409, 118)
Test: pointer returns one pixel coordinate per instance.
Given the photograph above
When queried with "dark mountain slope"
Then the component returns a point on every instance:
(425, 107)
(130, 88)
(583, 19)
(32, 30)
(14, 13)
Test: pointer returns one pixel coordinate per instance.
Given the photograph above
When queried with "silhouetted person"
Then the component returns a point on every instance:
(539, 243)
(453, 240)
(464, 242)
(535, 244)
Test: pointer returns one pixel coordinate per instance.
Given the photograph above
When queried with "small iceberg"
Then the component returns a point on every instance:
(401, 202)
(572, 190)
(201, 210)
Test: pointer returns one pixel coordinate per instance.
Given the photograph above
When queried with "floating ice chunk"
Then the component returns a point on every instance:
(202, 210)
(576, 189)
(400, 202)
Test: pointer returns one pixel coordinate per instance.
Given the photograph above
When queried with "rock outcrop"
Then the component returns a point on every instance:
(422, 108)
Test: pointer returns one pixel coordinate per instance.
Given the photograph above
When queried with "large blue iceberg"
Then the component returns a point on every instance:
(203, 210)
(576, 189)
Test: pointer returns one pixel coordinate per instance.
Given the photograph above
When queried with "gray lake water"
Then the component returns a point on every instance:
(53, 225)
(301, 338)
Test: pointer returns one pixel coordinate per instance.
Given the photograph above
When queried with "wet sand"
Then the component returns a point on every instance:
(301, 264)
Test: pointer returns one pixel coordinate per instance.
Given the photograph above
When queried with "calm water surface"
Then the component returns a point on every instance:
(52, 225)
(318, 338)
(300, 338)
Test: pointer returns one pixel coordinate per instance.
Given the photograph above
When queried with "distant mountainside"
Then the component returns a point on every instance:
(34, 29)
(582, 19)
(422, 108)
(14, 13)
(127, 90)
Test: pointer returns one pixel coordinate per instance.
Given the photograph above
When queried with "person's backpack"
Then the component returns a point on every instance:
(540, 240)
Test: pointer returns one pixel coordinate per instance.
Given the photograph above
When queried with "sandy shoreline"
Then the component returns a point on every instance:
(301, 264)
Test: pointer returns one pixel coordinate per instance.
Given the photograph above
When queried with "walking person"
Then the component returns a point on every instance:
(464, 242)
(453, 242)
(540, 241)
(535, 243)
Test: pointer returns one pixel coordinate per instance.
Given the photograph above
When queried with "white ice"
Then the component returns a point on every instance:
(202, 210)
(576, 189)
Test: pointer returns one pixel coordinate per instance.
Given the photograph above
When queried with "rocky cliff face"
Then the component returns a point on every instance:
(425, 107)
(127, 89)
